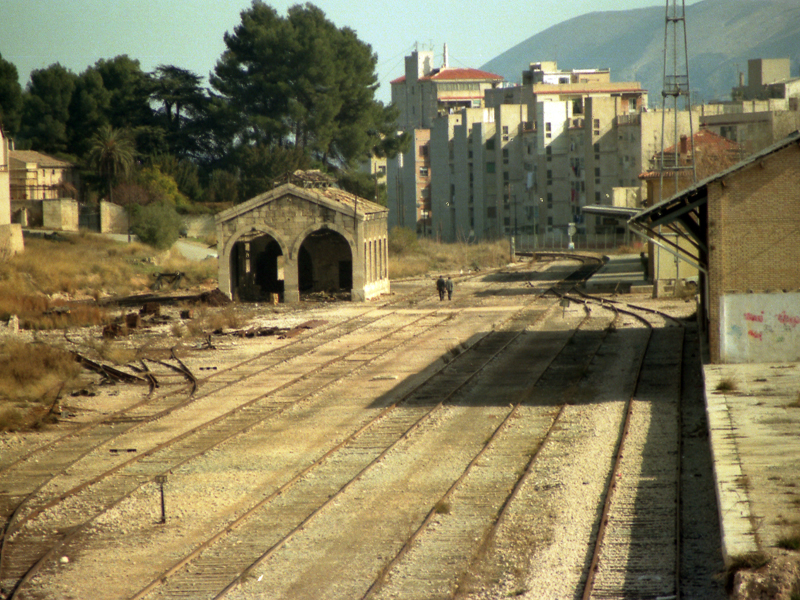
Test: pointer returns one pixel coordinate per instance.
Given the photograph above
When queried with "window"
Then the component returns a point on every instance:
(490, 144)
(505, 176)
(548, 132)
(423, 171)
(596, 123)
(505, 156)
(423, 151)
(491, 212)
(381, 169)
(549, 153)
(549, 200)
(597, 171)
(469, 154)
(490, 167)
(597, 197)
(505, 133)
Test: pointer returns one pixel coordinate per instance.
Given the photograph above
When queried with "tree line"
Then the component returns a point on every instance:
(289, 92)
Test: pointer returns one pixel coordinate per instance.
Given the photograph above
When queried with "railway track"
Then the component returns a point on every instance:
(32, 547)
(138, 472)
(637, 548)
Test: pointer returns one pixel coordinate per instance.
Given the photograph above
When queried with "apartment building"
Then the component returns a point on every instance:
(762, 112)
(423, 95)
(532, 156)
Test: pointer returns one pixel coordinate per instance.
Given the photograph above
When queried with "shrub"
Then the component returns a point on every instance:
(402, 240)
(157, 225)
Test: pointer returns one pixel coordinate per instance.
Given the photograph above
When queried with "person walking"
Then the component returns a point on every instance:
(448, 285)
(440, 287)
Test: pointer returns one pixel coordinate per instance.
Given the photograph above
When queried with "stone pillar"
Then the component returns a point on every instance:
(291, 280)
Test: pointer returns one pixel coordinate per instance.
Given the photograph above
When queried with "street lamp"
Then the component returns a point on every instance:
(536, 223)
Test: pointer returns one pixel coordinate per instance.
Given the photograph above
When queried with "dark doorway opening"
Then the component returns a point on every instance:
(257, 271)
(325, 263)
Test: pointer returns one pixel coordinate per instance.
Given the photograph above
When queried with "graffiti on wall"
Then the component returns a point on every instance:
(760, 328)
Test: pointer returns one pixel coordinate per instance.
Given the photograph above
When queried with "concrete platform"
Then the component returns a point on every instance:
(754, 426)
(623, 274)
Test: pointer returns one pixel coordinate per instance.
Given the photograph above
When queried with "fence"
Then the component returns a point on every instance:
(558, 240)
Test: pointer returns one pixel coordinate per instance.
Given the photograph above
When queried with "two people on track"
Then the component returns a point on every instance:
(443, 286)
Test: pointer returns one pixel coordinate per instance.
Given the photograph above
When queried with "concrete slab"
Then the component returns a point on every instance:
(754, 426)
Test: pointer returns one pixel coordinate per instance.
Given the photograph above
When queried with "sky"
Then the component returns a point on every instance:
(189, 33)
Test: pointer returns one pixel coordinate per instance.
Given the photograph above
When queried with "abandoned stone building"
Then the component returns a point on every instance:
(303, 236)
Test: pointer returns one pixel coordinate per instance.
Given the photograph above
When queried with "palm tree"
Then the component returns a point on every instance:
(111, 153)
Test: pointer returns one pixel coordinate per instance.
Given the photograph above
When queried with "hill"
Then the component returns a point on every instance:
(722, 36)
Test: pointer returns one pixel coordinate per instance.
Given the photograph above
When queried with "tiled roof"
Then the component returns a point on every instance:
(454, 74)
(706, 139)
(42, 160)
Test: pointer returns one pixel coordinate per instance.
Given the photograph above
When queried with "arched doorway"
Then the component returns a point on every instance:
(257, 269)
(325, 263)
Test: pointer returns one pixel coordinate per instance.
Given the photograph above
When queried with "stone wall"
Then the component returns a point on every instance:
(113, 218)
(62, 214)
(11, 240)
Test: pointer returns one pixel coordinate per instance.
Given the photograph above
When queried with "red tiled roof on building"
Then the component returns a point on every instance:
(705, 139)
(454, 74)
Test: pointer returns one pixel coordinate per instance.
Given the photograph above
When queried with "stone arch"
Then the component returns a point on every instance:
(325, 258)
(256, 259)
(298, 241)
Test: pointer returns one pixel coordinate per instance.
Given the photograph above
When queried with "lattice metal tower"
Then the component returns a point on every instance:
(676, 86)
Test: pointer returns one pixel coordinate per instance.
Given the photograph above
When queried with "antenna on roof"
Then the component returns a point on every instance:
(446, 58)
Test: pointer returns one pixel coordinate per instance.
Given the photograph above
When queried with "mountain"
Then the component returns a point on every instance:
(721, 36)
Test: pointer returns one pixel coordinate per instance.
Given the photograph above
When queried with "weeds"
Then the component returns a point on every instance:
(442, 508)
(794, 403)
(726, 385)
(790, 540)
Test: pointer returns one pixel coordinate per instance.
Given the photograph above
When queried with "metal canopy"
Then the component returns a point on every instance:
(684, 213)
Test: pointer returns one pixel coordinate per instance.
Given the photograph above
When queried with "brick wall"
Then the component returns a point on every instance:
(754, 232)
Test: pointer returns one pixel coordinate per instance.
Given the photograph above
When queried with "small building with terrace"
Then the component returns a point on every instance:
(305, 236)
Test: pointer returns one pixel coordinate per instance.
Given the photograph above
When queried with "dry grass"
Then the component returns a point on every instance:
(38, 284)
(32, 376)
(412, 257)
(208, 320)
